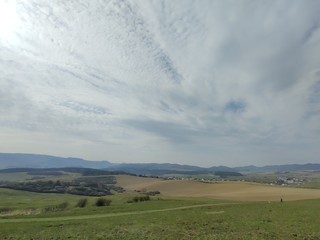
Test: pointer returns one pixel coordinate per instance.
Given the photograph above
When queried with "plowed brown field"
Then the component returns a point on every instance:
(243, 191)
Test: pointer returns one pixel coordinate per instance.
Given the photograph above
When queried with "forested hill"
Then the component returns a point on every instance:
(19, 160)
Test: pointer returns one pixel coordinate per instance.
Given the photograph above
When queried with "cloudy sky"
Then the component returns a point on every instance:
(199, 82)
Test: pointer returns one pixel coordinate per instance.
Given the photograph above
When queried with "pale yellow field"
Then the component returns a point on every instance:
(243, 191)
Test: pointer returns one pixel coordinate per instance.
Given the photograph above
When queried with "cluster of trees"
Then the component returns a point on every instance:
(139, 199)
(153, 193)
(44, 172)
(90, 186)
(223, 174)
(100, 202)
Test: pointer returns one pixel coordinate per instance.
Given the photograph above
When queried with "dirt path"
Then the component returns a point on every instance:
(94, 216)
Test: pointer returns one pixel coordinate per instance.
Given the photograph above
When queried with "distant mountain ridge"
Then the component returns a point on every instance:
(21, 160)
(280, 168)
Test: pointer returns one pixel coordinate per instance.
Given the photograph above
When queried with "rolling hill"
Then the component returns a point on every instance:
(20, 160)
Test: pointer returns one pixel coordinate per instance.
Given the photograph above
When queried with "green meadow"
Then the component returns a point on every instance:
(160, 218)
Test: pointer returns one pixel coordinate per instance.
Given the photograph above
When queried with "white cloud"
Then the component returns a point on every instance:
(197, 82)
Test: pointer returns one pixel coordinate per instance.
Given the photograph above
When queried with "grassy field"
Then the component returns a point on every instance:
(183, 210)
(23, 176)
(161, 218)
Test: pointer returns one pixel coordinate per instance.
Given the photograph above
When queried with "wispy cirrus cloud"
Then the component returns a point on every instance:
(198, 82)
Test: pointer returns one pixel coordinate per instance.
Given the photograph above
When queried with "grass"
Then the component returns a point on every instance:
(14, 176)
(24, 176)
(160, 218)
(313, 181)
(22, 200)
(312, 184)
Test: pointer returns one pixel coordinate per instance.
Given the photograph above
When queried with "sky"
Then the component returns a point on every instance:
(203, 82)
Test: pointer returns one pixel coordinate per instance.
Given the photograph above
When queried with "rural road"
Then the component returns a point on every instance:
(94, 216)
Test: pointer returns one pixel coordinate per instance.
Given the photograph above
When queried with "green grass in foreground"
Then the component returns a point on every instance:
(167, 218)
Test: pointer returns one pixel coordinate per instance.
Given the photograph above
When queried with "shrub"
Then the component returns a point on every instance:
(153, 193)
(144, 198)
(62, 206)
(58, 207)
(103, 202)
(135, 199)
(139, 199)
(6, 210)
(82, 203)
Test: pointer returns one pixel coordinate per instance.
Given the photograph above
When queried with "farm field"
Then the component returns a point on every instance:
(242, 191)
(165, 216)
